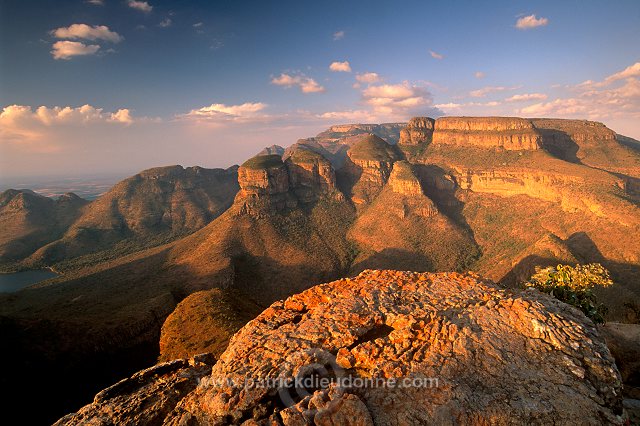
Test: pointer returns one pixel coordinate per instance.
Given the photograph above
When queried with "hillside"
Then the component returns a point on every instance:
(30, 221)
(497, 196)
(145, 210)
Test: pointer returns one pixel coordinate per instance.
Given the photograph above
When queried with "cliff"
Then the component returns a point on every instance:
(369, 167)
(419, 130)
(434, 347)
(509, 133)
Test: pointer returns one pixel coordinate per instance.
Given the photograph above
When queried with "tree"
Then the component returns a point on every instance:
(574, 285)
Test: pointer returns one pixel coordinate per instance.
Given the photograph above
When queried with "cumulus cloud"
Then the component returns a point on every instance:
(165, 23)
(527, 97)
(221, 113)
(142, 6)
(436, 55)
(338, 35)
(340, 66)
(306, 84)
(481, 93)
(368, 78)
(84, 31)
(531, 21)
(479, 74)
(396, 99)
(22, 125)
(68, 49)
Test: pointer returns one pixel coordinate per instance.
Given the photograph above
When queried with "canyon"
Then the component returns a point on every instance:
(172, 262)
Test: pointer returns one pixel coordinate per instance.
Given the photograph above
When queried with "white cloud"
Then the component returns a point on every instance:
(353, 116)
(458, 107)
(436, 55)
(96, 2)
(221, 113)
(338, 35)
(20, 124)
(84, 31)
(396, 99)
(368, 78)
(531, 21)
(340, 66)
(142, 6)
(68, 49)
(481, 93)
(306, 84)
(166, 22)
(198, 25)
(479, 74)
(527, 97)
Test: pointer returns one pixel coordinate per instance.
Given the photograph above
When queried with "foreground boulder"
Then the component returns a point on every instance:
(441, 348)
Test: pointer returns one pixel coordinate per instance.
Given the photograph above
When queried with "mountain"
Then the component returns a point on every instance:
(406, 348)
(147, 209)
(29, 221)
(496, 195)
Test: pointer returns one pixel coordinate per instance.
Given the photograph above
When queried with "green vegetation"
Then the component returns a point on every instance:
(574, 285)
(306, 156)
(373, 148)
(263, 162)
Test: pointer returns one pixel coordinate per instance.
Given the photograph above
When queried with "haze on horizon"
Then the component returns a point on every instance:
(116, 86)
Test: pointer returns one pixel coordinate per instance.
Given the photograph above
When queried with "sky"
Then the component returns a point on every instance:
(117, 86)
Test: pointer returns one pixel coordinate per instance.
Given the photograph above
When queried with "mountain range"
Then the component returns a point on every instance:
(173, 254)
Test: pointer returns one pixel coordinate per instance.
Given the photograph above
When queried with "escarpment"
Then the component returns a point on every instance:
(508, 133)
(419, 130)
(392, 346)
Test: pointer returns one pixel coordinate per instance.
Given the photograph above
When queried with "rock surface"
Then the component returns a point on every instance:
(147, 397)
(509, 133)
(419, 130)
(473, 353)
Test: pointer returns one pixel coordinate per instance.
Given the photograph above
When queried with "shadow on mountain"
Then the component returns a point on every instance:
(396, 259)
(585, 250)
(560, 145)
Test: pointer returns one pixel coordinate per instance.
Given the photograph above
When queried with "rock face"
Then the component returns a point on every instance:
(418, 131)
(269, 184)
(509, 133)
(147, 397)
(370, 163)
(436, 349)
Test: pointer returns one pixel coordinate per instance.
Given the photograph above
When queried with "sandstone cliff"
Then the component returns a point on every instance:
(419, 130)
(509, 133)
(436, 348)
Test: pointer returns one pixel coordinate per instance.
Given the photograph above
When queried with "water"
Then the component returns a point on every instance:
(10, 283)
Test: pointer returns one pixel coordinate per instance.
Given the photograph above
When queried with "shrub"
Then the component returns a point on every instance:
(574, 285)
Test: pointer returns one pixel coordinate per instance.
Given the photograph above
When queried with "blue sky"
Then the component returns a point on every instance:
(210, 82)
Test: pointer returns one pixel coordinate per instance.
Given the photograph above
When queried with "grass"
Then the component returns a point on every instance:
(263, 162)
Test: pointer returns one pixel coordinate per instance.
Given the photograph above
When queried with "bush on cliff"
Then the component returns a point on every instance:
(574, 285)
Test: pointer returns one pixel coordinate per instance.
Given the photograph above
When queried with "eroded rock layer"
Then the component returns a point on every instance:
(509, 133)
(439, 349)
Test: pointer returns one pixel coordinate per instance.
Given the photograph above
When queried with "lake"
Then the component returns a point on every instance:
(14, 282)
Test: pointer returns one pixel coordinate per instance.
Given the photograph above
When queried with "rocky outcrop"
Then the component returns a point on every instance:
(509, 133)
(148, 397)
(272, 150)
(419, 130)
(311, 175)
(267, 182)
(393, 347)
(390, 132)
(404, 182)
(369, 167)
(264, 185)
